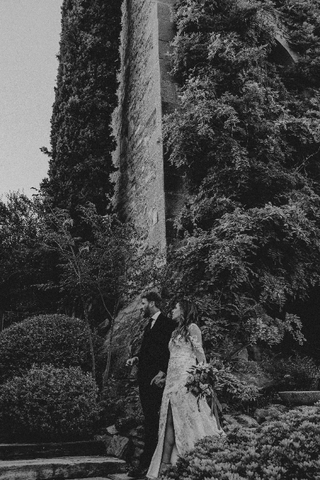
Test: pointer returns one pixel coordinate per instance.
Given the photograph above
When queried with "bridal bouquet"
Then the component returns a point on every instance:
(206, 380)
(202, 382)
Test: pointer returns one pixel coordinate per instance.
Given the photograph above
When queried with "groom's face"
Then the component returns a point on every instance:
(146, 307)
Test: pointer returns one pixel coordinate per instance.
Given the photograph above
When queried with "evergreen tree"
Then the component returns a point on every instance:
(85, 96)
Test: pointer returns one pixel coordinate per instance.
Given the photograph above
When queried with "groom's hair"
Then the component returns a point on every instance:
(152, 297)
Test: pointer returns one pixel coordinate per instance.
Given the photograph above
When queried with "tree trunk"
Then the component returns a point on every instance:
(109, 352)
(93, 358)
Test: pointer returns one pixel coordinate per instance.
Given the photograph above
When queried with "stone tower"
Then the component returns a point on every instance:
(147, 190)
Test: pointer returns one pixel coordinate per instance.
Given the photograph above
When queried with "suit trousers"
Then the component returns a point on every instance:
(150, 397)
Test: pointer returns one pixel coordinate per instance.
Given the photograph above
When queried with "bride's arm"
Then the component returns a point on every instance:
(196, 340)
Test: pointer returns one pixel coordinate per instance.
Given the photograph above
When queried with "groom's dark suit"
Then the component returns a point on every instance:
(153, 357)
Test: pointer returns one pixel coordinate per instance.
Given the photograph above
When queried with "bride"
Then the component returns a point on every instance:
(182, 420)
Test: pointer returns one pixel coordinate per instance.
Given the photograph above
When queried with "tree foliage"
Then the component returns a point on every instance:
(247, 140)
(27, 272)
(97, 275)
(81, 138)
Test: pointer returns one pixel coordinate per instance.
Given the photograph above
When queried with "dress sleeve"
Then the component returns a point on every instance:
(196, 341)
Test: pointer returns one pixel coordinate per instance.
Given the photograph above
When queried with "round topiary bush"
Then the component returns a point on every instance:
(49, 404)
(58, 340)
(286, 449)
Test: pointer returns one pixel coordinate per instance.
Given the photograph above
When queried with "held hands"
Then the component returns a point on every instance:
(159, 379)
(132, 361)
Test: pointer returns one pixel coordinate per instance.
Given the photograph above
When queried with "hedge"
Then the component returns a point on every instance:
(58, 340)
(49, 404)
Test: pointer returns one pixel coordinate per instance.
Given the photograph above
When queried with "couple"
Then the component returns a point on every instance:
(182, 421)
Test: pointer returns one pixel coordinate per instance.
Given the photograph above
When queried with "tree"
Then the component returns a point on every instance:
(247, 139)
(81, 139)
(24, 266)
(98, 275)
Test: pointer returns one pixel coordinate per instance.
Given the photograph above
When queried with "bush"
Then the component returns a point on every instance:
(58, 340)
(286, 449)
(121, 404)
(294, 373)
(49, 404)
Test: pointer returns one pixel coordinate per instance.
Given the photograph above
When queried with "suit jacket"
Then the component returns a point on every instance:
(154, 350)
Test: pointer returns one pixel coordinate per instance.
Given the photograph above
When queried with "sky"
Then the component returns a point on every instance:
(29, 44)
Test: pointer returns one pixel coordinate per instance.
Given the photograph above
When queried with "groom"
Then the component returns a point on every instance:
(152, 361)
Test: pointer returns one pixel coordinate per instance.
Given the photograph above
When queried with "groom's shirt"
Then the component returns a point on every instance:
(154, 318)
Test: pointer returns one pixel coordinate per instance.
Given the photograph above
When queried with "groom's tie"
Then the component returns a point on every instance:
(148, 327)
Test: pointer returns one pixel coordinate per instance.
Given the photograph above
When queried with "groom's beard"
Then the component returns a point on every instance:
(146, 313)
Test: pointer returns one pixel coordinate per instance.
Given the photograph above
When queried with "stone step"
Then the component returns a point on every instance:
(120, 476)
(18, 451)
(61, 468)
(116, 476)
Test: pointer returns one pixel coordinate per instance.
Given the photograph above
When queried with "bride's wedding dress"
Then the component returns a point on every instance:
(192, 421)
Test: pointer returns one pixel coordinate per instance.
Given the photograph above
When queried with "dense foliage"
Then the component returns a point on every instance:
(294, 373)
(81, 137)
(48, 268)
(27, 272)
(95, 273)
(49, 404)
(46, 339)
(247, 140)
(287, 448)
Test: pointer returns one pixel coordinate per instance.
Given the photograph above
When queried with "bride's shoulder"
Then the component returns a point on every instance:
(194, 329)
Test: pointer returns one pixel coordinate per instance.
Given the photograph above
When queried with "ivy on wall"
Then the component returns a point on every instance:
(247, 140)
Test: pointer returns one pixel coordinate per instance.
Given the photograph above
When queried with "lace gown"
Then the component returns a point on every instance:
(191, 422)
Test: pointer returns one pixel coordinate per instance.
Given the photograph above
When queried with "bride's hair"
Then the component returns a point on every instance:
(189, 314)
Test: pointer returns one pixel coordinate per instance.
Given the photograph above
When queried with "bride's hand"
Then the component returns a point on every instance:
(159, 379)
(161, 383)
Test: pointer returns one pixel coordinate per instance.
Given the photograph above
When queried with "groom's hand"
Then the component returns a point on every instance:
(159, 379)
(132, 361)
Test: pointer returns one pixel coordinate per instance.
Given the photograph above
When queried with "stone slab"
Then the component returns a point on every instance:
(18, 451)
(61, 468)
(120, 476)
(115, 445)
(116, 476)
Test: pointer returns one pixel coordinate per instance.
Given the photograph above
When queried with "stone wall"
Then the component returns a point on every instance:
(146, 92)
(149, 192)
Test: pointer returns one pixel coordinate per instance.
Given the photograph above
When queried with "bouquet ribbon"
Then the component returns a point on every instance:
(215, 407)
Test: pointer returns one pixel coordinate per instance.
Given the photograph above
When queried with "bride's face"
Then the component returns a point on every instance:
(176, 313)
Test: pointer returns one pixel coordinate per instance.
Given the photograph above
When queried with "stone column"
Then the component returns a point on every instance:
(145, 92)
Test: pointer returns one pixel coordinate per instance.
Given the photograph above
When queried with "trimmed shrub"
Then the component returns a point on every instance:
(286, 449)
(49, 404)
(58, 340)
